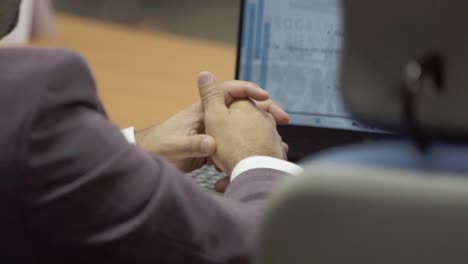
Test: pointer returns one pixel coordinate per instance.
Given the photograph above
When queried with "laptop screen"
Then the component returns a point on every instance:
(292, 49)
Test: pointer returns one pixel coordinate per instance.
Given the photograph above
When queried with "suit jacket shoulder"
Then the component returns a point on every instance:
(80, 193)
(29, 78)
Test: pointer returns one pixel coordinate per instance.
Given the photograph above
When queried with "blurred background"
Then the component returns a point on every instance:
(208, 19)
(144, 54)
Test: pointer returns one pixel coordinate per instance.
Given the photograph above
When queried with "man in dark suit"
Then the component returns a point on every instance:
(72, 190)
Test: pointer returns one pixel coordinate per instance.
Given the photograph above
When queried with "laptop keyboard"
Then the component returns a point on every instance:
(207, 176)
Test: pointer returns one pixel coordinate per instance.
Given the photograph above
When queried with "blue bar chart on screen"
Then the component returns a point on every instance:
(257, 41)
(292, 48)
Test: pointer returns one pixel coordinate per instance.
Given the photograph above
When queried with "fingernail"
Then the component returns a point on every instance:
(205, 78)
(206, 145)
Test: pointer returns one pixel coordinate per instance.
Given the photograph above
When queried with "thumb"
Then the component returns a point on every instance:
(198, 146)
(211, 94)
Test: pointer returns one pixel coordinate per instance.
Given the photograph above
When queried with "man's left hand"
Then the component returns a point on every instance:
(180, 139)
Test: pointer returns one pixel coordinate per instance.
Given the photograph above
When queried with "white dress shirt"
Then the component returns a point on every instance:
(251, 163)
(129, 134)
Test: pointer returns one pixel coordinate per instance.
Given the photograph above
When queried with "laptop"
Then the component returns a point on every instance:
(292, 48)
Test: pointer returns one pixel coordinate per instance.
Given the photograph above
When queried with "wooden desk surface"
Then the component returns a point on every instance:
(143, 77)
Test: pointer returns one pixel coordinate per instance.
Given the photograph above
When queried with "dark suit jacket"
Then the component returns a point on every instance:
(72, 190)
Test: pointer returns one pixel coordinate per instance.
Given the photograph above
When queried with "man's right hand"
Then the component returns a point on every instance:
(241, 130)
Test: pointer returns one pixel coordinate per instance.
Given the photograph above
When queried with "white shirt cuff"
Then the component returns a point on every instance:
(129, 134)
(261, 162)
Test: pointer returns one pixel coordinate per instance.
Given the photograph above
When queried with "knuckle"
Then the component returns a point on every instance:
(194, 146)
(240, 84)
(270, 118)
(254, 86)
(249, 84)
(212, 95)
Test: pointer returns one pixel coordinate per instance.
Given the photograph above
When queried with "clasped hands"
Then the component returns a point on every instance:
(234, 120)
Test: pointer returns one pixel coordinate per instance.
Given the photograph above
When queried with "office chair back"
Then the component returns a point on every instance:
(339, 214)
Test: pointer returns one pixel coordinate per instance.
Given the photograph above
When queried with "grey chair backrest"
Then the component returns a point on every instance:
(339, 214)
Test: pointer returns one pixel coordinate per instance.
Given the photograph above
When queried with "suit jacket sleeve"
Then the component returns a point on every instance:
(90, 196)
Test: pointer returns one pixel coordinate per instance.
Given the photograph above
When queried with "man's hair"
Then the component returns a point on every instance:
(9, 16)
